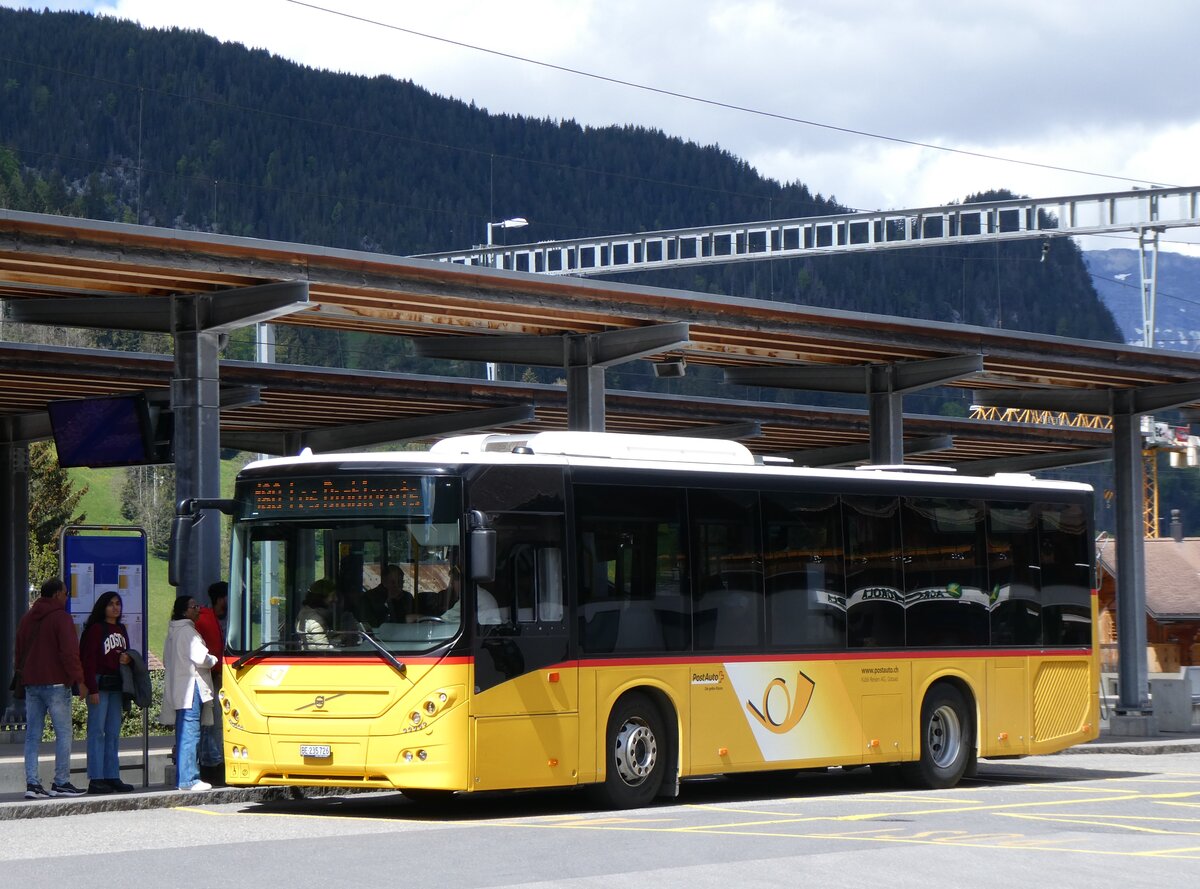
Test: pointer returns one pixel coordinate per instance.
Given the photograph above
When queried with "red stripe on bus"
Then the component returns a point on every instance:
(831, 656)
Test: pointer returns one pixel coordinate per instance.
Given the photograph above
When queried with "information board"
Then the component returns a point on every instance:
(94, 564)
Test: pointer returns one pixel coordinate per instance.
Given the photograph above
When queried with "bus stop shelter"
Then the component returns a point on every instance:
(197, 287)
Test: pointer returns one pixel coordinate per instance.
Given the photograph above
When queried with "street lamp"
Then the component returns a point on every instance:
(515, 222)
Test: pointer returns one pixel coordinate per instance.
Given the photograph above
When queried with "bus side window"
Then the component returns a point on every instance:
(944, 574)
(1014, 582)
(528, 587)
(874, 572)
(1066, 575)
(631, 556)
(806, 592)
(538, 584)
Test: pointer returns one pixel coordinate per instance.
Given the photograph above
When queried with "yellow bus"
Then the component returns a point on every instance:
(626, 612)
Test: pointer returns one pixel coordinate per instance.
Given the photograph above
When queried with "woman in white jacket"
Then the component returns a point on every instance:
(188, 685)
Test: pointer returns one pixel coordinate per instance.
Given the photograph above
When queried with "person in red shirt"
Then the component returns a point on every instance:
(47, 657)
(210, 624)
(103, 648)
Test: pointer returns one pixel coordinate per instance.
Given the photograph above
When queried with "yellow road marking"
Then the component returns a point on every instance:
(1099, 821)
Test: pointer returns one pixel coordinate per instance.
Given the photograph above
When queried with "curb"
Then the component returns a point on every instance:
(160, 798)
(1135, 748)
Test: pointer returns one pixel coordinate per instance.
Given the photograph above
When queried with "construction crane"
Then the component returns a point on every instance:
(1183, 447)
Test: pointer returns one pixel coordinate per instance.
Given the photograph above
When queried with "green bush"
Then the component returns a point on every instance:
(131, 725)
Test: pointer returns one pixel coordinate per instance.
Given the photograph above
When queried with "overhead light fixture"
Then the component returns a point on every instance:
(672, 367)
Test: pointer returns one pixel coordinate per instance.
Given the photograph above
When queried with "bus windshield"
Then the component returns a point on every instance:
(333, 565)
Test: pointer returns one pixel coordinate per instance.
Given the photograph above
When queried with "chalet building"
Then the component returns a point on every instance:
(1172, 603)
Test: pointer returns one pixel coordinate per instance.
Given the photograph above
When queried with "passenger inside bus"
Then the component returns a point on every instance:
(315, 619)
(389, 602)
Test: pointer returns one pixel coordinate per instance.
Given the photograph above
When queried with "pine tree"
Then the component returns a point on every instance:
(52, 503)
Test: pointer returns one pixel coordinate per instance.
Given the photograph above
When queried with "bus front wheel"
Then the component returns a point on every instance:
(947, 740)
(636, 751)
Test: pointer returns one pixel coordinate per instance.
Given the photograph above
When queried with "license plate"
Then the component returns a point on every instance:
(318, 751)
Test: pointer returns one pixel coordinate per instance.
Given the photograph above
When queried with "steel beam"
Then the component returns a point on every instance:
(14, 564)
(883, 384)
(582, 355)
(983, 221)
(342, 438)
(849, 455)
(1034, 462)
(219, 312)
(730, 431)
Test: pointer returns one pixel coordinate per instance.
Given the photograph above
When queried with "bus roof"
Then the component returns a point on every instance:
(661, 453)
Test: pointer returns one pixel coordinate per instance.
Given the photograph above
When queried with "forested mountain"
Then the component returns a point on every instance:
(104, 119)
(1117, 276)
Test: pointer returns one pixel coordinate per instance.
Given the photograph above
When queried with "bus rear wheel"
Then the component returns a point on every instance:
(947, 740)
(635, 754)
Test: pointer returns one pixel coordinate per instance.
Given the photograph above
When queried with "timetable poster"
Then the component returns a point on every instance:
(96, 565)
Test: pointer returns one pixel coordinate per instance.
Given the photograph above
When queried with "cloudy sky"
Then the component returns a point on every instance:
(1063, 96)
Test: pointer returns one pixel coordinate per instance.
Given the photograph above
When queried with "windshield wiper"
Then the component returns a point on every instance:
(250, 655)
(386, 655)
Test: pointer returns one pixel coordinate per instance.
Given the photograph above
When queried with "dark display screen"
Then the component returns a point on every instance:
(358, 496)
(112, 431)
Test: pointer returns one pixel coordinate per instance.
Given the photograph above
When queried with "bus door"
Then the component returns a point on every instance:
(525, 706)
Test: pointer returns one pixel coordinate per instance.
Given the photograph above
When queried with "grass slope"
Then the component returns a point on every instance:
(101, 505)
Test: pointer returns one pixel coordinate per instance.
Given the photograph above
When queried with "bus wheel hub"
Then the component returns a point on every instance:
(636, 752)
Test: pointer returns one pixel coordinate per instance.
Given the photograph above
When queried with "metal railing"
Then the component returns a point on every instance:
(1134, 211)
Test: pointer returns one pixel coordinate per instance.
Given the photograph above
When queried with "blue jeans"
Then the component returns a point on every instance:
(211, 742)
(104, 736)
(55, 700)
(187, 740)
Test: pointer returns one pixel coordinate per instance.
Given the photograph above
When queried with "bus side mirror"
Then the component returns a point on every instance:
(188, 513)
(181, 535)
(481, 549)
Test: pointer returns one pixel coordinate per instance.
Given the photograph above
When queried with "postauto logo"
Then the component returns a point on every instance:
(782, 706)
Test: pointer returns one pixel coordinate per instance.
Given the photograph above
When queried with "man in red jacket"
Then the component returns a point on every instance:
(47, 656)
(210, 626)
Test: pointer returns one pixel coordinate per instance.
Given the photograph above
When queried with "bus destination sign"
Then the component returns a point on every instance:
(361, 496)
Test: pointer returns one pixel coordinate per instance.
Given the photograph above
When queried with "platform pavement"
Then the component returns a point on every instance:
(159, 795)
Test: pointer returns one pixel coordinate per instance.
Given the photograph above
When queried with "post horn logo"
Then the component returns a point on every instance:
(782, 709)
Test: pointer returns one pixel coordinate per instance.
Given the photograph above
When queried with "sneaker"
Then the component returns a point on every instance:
(36, 791)
(199, 785)
(118, 786)
(67, 789)
(100, 786)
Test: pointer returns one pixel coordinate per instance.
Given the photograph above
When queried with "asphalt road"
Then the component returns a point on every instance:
(1061, 822)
